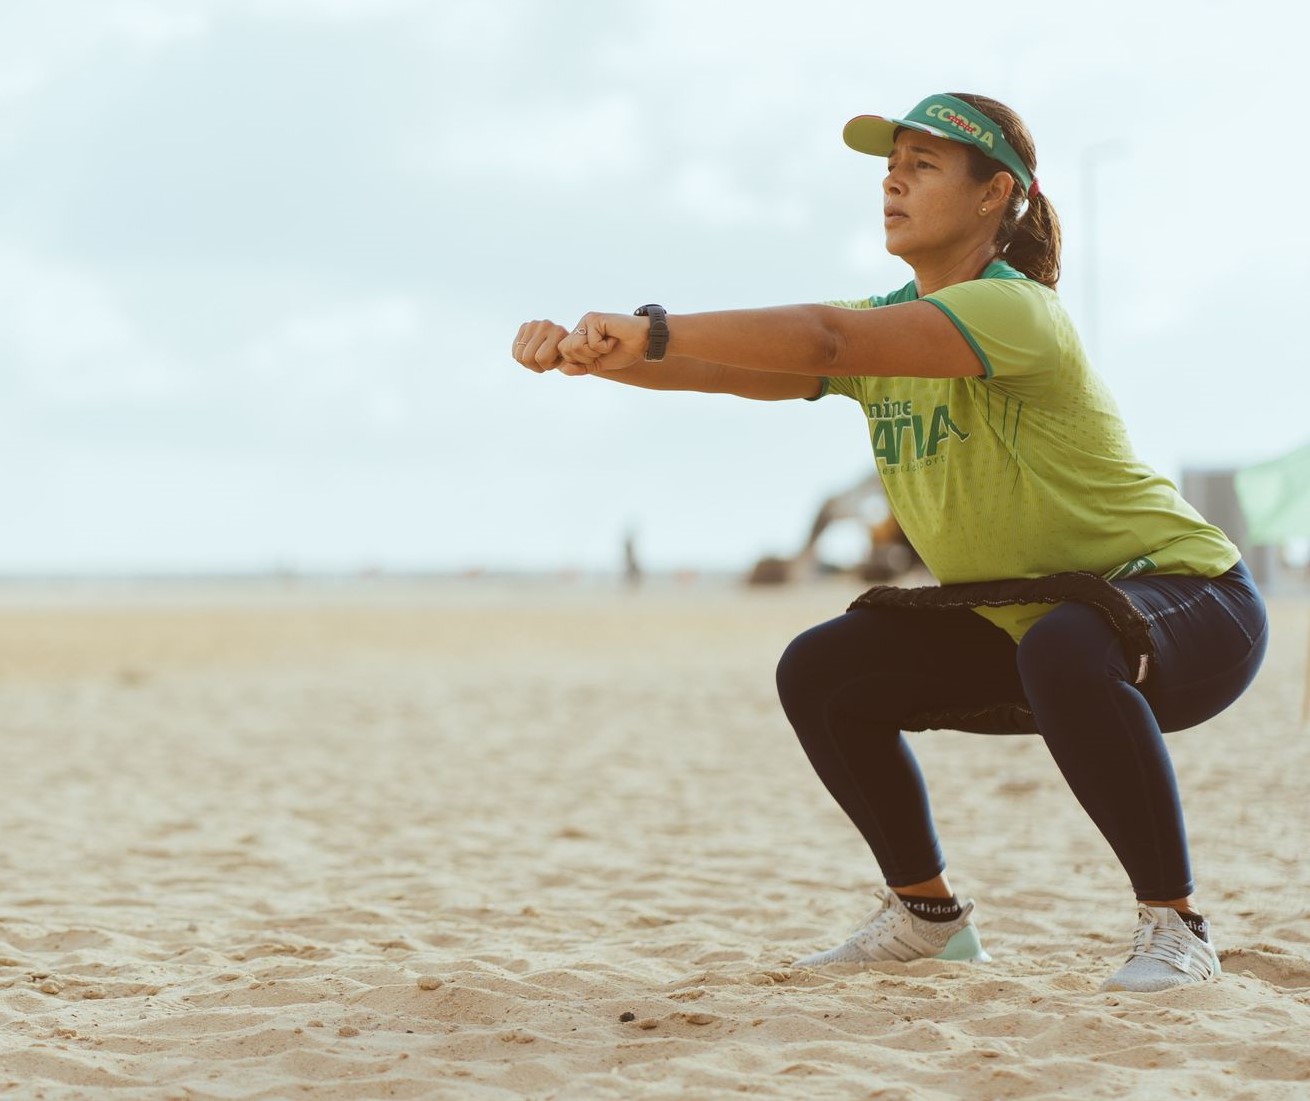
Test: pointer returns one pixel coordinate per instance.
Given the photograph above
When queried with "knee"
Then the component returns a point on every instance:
(821, 663)
(817, 661)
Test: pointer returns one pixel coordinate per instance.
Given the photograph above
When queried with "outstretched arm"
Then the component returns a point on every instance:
(537, 347)
(911, 339)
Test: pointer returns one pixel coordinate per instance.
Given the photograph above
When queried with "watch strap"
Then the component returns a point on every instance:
(658, 340)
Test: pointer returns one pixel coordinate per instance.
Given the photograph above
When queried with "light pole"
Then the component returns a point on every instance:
(1093, 156)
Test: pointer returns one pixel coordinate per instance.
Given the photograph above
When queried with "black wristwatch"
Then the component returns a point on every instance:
(659, 330)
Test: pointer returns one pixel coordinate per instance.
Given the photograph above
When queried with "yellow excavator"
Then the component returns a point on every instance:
(889, 557)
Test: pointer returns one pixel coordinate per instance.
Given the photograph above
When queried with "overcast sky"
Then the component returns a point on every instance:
(261, 261)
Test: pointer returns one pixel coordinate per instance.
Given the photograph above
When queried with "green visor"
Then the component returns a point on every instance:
(941, 116)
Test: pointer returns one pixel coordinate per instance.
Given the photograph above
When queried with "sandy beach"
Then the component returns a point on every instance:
(439, 841)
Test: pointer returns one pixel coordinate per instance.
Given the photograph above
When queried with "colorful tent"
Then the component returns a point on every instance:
(1275, 498)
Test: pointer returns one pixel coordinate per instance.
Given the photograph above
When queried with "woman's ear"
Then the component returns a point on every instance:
(1000, 189)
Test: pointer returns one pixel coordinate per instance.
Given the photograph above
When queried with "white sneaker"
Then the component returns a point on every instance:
(1166, 953)
(893, 933)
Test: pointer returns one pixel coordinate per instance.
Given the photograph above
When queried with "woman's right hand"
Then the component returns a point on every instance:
(537, 345)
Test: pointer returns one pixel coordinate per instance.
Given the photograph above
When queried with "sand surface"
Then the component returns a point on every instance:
(432, 842)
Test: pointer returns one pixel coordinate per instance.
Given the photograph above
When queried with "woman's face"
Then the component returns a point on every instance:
(931, 202)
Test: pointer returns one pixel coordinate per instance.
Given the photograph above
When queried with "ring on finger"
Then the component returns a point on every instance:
(580, 331)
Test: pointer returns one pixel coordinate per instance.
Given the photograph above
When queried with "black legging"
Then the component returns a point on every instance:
(847, 684)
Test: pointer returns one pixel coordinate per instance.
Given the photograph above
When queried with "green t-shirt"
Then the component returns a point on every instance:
(1025, 470)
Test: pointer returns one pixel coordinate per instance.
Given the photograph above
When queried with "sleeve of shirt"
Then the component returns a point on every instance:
(1006, 322)
(847, 387)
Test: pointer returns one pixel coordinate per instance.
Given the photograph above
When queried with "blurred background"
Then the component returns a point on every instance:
(261, 261)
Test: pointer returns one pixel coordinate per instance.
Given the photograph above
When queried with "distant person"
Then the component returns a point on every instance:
(631, 566)
(1002, 456)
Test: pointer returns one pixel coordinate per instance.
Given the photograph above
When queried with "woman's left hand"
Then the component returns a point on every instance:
(603, 342)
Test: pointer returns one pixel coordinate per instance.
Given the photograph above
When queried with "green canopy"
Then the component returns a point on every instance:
(1275, 497)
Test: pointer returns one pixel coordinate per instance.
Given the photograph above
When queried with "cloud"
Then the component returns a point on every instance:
(709, 192)
(41, 44)
(66, 338)
(546, 140)
(153, 26)
(338, 371)
(335, 351)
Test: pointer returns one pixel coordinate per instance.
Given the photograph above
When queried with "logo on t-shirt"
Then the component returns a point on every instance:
(1131, 569)
(900, 435)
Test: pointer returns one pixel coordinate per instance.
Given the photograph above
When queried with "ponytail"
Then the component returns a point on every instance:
(1029, 237)
(1030, 242)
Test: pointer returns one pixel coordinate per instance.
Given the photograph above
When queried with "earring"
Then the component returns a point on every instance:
(983, 211)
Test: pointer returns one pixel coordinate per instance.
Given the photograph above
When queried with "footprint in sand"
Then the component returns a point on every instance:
(1274, 967)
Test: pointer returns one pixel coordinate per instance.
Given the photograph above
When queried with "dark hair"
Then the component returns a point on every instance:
(1028, 241)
